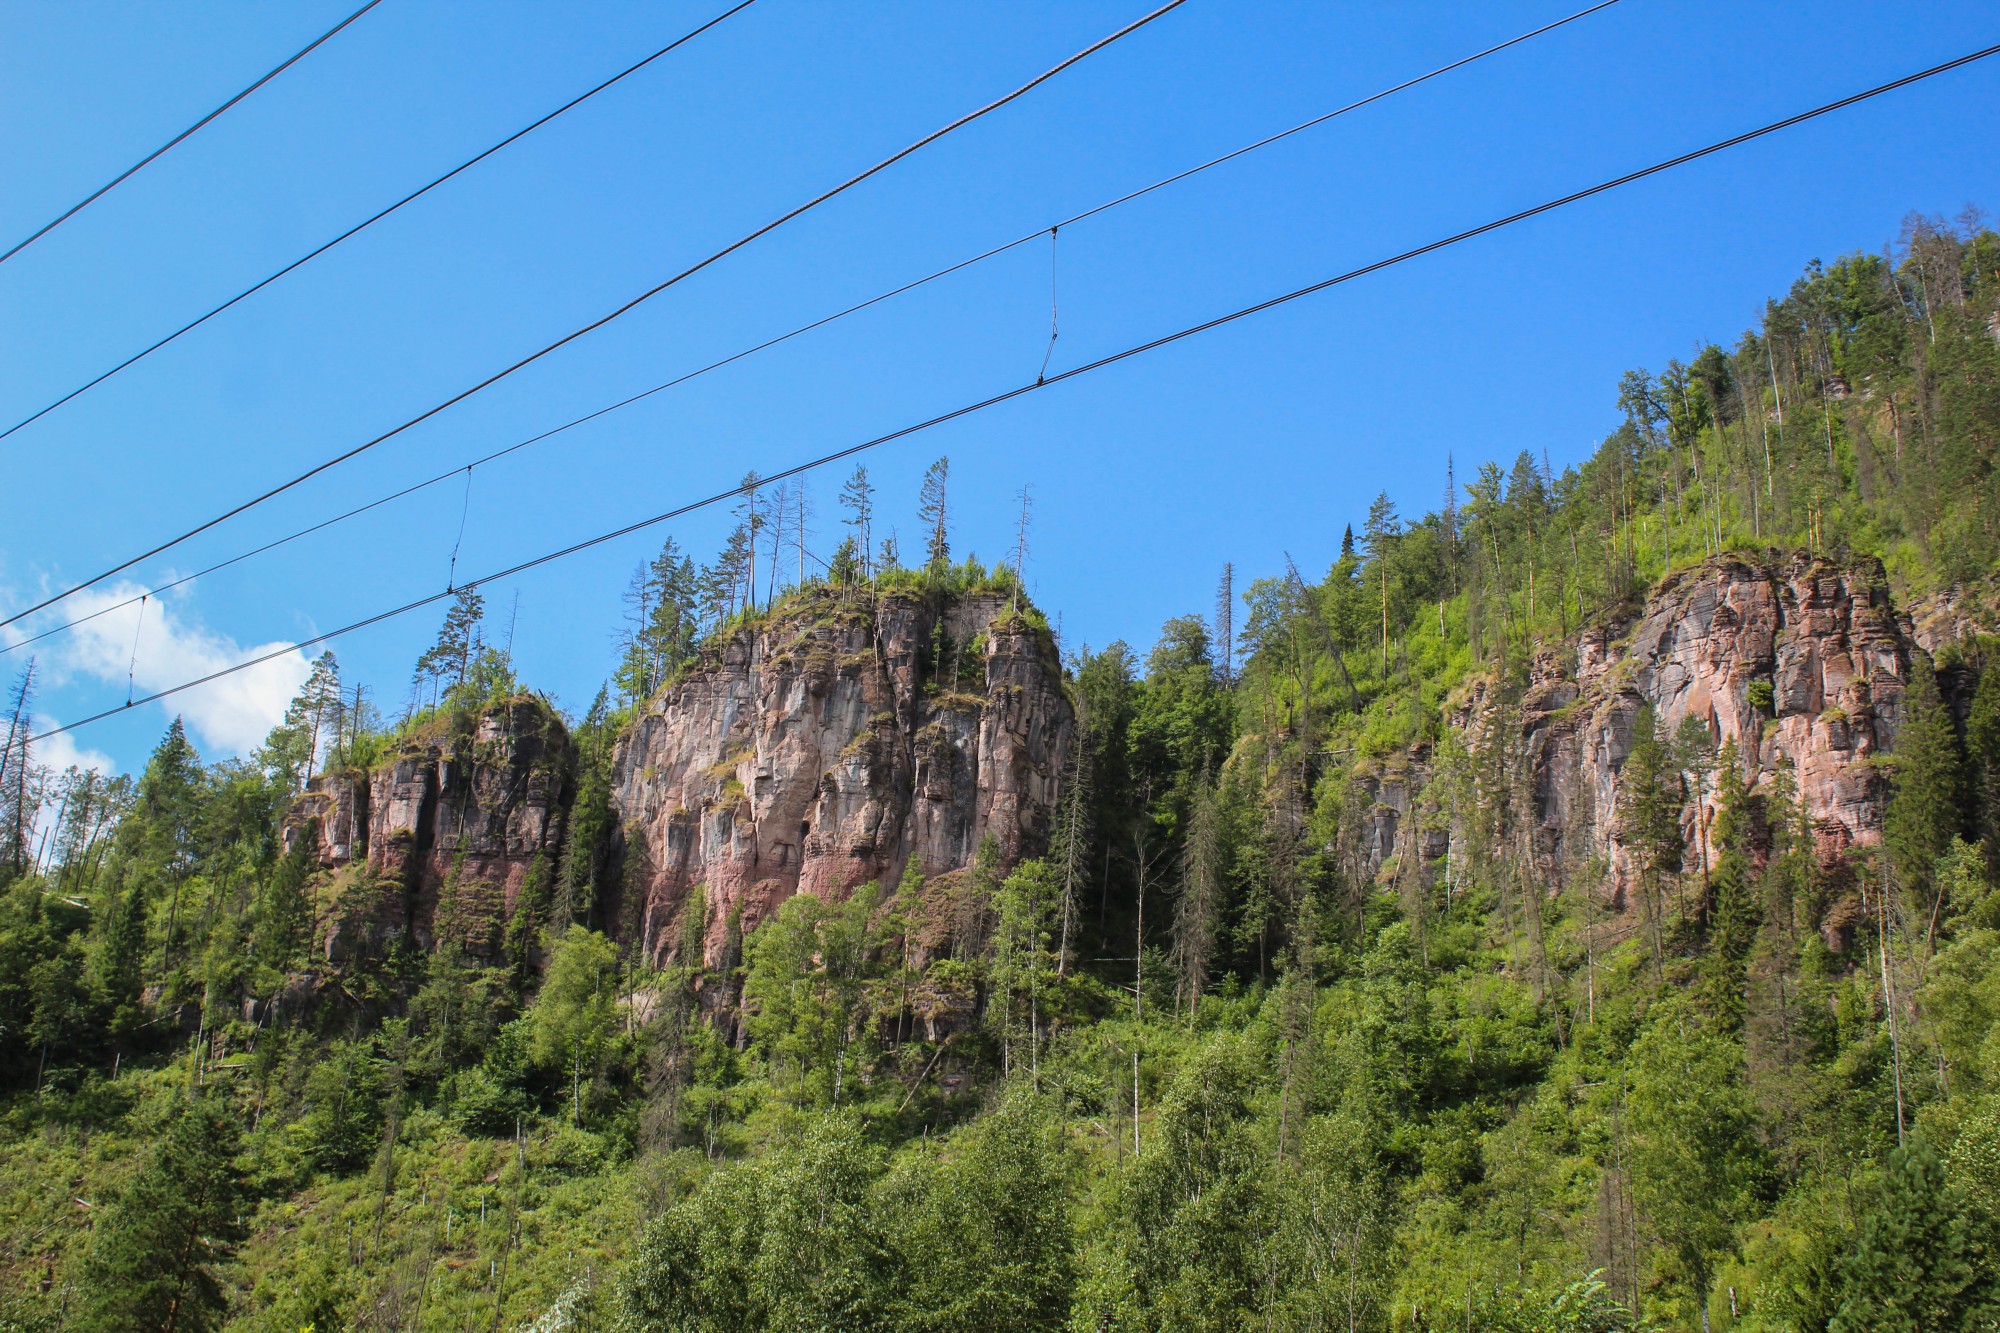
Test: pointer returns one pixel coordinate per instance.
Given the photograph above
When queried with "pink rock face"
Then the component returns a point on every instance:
(449, 828)
(1824, 640)
(832, 744)
(340, 804)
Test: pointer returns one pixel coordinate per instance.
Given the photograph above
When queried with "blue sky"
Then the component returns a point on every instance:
(1264, 437)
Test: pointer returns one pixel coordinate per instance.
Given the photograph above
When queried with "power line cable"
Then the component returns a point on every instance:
(601, 321)
(1073, 373)
(366, 223)
(816, 324)
(106, 188)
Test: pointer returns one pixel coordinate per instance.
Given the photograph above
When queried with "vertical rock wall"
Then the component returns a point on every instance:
(447, 831)
(1795, 660)
(832, 744)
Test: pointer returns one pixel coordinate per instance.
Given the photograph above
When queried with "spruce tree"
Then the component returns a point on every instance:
(152, 1264)
(592, 821)
(116, 966)
(1198, 908)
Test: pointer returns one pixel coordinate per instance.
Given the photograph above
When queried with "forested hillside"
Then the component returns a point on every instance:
(1576, 909)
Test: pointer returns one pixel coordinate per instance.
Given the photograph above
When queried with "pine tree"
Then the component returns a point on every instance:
(933, 514)
(1526, 499)
(752, 516)
(1735, 906)
(845, 569)
(857, 497)
(670, 638)
(723, 583)
(1927, 805)
(663, 604)
(1694, 755)
(18, 789)
(1649, 819)
(153, 1263)
(1380, 530)
(325, 707)
(448, 658)
(634, 673)
(1982, 745)
(1913, 1267)
(290, 754)
(1198, 910)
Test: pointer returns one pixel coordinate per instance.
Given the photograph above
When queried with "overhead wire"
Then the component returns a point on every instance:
(602, 320)
(370, 221)
(823, 321)
(1074, 372)
(108, 186)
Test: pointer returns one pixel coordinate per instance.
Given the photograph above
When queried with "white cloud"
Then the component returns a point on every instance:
(230, 715)
(61, 752)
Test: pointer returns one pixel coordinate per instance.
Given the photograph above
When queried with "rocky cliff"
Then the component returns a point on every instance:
(832, 744)
(846, 737)
(1797, 661)
(829, 744)
(448, 830)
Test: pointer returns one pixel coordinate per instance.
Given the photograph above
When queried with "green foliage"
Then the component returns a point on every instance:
(1321, 1012)
(1584, 1306)
(1183, 1246)
(980, 1226)
(154, 1262)
(806, 970)
(1696, 1157)
(788, 1242)
(1914, 1266)
(342, 1121)
(285, 914)
(1928, 807)
(573, 1016)
(581, 879)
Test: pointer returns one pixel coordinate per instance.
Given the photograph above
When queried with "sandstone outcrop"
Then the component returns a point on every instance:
(1797, 661)
(832, 744)
(447, 830)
